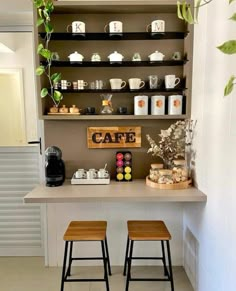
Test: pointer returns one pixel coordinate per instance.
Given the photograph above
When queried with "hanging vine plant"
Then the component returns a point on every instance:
(185, 13)
(44, 10)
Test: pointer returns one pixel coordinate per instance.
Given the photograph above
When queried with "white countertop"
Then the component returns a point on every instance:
(133, 191)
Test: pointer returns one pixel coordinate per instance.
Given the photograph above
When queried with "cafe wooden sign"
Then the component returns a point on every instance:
(114, 137)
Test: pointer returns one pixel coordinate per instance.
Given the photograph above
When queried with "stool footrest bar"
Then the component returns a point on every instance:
(149, 279)
(84, 280)
(85, 259)
(147, 258)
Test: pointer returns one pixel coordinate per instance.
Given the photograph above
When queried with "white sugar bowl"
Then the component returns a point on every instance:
(156, 56)
(76, 57)
(115, 57)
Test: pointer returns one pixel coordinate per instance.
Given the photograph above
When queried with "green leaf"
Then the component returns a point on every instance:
(48, 28)
(196, 10)
(40, 21)
(56, 77)
(230, 1)
(230, 85)
(184, 10)
(233, 17)
(49, 7)
(44, 92)
(57, 96)
(39, 49)
(45, 53)
(179, 13)
(38, 3)
(189, 16)
(229, 47)
(40, 70)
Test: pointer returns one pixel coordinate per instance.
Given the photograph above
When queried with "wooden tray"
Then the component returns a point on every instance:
(176, 186)
(58, 113)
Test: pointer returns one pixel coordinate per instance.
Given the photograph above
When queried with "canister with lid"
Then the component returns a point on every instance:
(165, 177)
(180, 171)
(175, 104)
(141, 105)
(154, 172)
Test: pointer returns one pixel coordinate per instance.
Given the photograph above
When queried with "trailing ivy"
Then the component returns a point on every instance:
(184, 12)
(44, 10)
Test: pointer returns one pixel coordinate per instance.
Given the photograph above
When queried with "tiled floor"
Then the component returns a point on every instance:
(29, 274)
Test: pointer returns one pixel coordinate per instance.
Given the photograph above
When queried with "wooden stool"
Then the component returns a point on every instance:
(148, 230)
(78, 231)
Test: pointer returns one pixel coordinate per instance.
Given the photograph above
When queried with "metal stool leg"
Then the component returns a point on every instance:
(105, 265)
(108, 258)
(70, 259)
(129, 265)
(164, 258)
(170, 265)
(64, 266)
(126, 256)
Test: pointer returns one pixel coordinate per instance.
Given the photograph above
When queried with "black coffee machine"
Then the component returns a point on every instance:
(54, 167)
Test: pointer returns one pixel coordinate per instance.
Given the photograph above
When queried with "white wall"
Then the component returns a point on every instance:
(23, 59)
(213, 224)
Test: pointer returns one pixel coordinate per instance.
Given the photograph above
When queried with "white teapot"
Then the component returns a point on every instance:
(156, 56)
(76, 57)
(115, 57)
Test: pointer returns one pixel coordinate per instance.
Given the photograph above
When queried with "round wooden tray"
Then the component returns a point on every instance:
(176, 186)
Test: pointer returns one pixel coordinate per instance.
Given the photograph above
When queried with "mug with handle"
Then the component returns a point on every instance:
(136, 83)
(171, 81)
(77, 27)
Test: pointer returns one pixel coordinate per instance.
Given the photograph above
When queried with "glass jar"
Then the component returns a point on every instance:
(165, 177)
(180, 171)
(106, 104)
(154, 172)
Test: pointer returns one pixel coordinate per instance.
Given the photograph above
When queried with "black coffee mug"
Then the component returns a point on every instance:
(90, 110)
(122, 110)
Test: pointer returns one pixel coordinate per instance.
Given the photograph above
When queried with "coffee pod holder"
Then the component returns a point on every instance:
(124, 166)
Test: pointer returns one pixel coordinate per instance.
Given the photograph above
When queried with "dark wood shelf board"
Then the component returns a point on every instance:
(113, 117)
(164, 63)
(125, 36)
(142, 90)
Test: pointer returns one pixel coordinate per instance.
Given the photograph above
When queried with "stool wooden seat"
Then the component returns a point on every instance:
(148, 230)
(86, 231)
(81, 231)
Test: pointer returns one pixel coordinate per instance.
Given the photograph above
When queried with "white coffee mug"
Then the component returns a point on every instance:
(91, 174)
(65, 84)
(171, 81)
(136, 83)
(115, 27)
(175, 104)
(81, 84)
(80, 174)
(77, 27)
(158, 105)
(117, 84)
(141, 105)
(156, 26)
(102, 173)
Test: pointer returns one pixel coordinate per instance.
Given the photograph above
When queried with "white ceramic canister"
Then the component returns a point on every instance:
(141, 105)
(175, 104)
(158, 105)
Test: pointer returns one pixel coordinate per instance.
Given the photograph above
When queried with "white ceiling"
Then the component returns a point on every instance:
(9, 6)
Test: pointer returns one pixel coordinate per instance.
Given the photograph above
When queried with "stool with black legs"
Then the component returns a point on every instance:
(81, 231)
(148, 230)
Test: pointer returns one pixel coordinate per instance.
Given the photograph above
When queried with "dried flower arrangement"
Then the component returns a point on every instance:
(175, 142)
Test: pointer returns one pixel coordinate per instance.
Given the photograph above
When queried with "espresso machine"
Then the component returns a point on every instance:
(54, 167)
